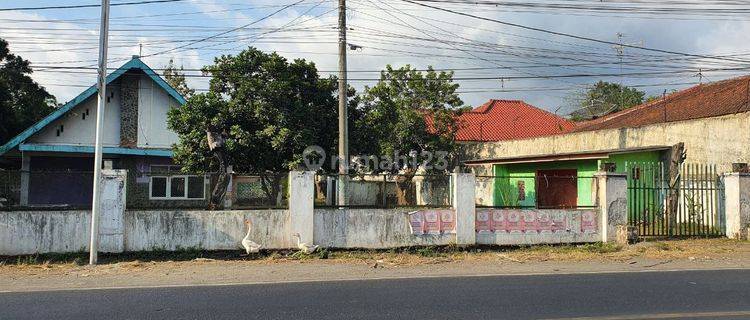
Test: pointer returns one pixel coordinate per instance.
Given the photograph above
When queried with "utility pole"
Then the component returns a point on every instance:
(343, 118)
(620, 48)
(102, 86)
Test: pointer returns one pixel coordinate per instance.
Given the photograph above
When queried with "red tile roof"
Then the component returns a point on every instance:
(701, 101)
(499, 120)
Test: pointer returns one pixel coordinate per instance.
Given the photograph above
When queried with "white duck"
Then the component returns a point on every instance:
(250, 245)
(304, 247)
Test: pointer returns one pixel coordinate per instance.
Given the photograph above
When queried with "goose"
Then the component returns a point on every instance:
(250, 245)
(304, 247)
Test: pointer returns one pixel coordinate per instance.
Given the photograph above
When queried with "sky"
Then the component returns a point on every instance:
(491, 60)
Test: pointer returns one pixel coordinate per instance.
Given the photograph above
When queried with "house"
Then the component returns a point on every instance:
(711, 120)
(56, 154)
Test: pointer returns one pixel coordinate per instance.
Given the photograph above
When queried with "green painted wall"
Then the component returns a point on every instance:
(506, 185)
(621, 159)
(506, 191)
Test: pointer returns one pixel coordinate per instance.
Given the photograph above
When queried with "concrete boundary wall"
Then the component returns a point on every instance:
(371, 229)
(142, 230)
(737, 206)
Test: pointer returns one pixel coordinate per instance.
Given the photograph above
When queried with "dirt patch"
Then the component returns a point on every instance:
(198, 267)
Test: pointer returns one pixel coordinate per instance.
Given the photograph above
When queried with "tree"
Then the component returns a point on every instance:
(409, 112)
(176, 78)
(264, 109)
(603, 98)
(23, 102)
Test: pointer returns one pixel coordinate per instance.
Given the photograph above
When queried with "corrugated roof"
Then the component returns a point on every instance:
(701, 101)
(499, 120)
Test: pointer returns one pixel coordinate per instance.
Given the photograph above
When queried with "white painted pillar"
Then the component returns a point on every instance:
(612, 199)
(111, 221)
(737, 205)
(301, 203)
(25, 179)
(463, 204)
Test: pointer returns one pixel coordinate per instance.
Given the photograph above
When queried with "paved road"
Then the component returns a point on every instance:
(699, 294)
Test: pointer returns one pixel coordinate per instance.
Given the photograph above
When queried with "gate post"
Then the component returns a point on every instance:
(465, 208)
(737, 205)
(612, 199)
(112, 220)
(301, 202)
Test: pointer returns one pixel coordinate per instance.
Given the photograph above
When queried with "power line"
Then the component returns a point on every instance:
(80, 6)
(228, 31)
(566, 34)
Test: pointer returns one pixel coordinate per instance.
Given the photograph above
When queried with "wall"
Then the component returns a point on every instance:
(370, 228)
(50, 231)
(710, 140)
(210, 230)
(531, 226)
(737, 188)
(138, 186)
(27, 232)
(526, 172)
(153, 105)
(80, 131)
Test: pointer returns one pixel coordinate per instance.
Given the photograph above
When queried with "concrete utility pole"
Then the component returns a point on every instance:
(343, 118)
(102, 86)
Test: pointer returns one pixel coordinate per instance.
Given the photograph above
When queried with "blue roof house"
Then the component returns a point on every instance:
(56, 154)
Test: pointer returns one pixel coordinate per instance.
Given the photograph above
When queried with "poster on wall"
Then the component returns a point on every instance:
(433, 222)
(532, 221)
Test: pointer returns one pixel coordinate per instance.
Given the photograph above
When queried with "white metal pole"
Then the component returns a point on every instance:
(102, 86)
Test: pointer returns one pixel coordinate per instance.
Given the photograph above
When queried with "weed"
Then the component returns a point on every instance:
(429, 252)
(601, 247)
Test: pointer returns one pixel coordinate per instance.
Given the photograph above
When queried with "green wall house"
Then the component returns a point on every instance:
(561, 180)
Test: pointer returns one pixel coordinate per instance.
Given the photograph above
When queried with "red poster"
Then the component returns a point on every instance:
(530, 224)
(482, 222)
(559, 222)
(498, 221)
(544, 222)
(447, 222)
(588, 222)
(513, 221)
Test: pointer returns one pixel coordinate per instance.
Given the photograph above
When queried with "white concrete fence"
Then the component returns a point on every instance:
(29, 232)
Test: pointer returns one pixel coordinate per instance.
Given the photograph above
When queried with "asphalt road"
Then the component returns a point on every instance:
(664, 295)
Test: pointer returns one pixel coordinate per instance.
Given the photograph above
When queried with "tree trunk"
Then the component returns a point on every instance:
(222, 182)
(673, 197)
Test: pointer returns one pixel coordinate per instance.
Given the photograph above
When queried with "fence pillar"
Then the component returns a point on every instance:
(111, 223)
(301, 201)
(465, 208)
(25, 179)
(612, 199)
(737, 205)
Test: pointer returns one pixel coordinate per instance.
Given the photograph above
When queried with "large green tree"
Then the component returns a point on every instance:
(176, 78)
(603, 98)
(409, 112)
(23, 102)
(260, 114)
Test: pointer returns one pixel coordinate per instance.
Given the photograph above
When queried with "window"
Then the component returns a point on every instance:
(167, 183)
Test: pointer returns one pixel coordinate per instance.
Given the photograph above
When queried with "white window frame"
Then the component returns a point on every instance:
(168, 193)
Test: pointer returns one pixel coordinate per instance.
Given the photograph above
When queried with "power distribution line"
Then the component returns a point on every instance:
(81, 6)
(563, 34)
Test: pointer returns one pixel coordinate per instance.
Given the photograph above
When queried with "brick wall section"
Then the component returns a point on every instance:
(129, 111)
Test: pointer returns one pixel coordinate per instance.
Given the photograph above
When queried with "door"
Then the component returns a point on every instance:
(557, 188)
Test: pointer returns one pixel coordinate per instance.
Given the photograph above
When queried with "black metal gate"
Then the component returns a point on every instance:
(699, 192)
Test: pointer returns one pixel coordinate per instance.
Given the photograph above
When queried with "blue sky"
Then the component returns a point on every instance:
(396, 32)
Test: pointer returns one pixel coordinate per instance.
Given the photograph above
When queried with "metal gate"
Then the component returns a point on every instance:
(699, 192)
